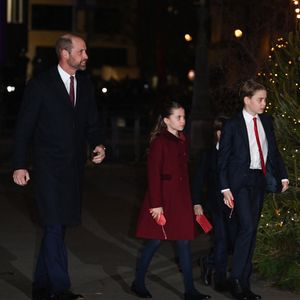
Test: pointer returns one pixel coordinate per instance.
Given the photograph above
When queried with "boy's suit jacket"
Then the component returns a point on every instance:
(206, 190)
(234, 153)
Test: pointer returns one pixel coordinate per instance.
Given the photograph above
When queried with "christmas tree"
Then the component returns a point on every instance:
(278, 243)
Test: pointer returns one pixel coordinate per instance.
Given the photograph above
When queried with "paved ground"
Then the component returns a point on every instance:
(102, 252)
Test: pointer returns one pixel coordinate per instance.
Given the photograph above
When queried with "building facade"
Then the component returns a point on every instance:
(107, 26)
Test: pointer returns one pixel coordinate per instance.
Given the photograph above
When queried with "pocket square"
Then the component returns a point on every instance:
(204, 223)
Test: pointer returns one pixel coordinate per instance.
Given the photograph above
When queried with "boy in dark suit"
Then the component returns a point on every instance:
(247, 150)
(206, 194)
(59, 115)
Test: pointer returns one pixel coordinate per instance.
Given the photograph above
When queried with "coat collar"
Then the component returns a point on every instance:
(60, 88)
(171, 136)
(58, 85)
(243, 126)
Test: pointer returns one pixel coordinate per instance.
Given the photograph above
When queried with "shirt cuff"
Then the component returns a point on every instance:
(225, 190)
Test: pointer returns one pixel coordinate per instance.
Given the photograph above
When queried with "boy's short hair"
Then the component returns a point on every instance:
(249, 87)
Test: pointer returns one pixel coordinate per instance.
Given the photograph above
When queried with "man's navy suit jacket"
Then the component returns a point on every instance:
(234, 153)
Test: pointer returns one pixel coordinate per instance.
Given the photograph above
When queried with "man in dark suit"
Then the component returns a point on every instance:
(247, 149)
(59, 114)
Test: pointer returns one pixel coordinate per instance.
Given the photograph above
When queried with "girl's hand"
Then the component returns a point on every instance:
(156, 212)
(198, 210)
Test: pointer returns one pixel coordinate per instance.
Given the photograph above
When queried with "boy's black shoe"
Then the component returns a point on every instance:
(206, 271)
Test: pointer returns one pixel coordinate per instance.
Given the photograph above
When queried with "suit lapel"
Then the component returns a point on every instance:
(78, 90)
(265, 125)
(59, 87)
(243, 129)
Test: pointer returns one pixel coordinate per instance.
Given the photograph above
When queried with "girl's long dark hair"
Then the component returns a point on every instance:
(165, 111)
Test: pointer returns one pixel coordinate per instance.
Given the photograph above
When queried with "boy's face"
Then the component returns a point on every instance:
(257, 103)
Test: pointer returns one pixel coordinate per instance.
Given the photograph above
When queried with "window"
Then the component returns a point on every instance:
(107, 21)
(107, 56)
(51, 17)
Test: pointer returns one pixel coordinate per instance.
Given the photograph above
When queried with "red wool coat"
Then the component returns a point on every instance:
(168, 187)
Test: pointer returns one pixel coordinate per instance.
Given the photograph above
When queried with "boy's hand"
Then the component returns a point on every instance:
(228, 199)
(285, 185)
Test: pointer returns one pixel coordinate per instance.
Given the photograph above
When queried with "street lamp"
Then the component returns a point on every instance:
(188, 37)
(238, 33)
(191, 75)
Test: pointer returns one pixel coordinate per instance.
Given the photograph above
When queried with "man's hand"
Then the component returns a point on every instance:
(228, 199)
(99, 154)
(285, 185)
(198, 210)
(21, 177)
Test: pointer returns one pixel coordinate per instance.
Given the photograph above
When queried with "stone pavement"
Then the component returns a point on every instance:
(103, 250)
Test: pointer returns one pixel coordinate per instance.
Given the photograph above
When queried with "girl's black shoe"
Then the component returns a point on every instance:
(195, 296)
(140, 292)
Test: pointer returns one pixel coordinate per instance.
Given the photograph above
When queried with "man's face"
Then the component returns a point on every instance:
(257, 103)
(77, 56)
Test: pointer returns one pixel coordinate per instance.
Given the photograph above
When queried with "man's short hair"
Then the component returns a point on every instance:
(65, 43)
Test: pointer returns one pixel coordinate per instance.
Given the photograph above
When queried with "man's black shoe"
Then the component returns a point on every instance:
(250, 295)
(40, 294)
(66, 295)
(237, 291)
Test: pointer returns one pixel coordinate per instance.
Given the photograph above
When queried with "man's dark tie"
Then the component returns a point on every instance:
(262, 162)
(72, 94)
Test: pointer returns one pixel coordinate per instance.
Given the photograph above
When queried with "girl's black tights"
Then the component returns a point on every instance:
(184, 254)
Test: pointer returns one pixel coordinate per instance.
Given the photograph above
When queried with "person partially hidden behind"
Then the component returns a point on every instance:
(59, 115)
(247, 150)
(206, 195)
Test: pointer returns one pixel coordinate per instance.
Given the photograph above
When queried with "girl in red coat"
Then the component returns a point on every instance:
(167, 197)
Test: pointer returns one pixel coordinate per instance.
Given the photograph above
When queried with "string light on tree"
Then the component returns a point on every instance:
(278, 248)
(297, 9)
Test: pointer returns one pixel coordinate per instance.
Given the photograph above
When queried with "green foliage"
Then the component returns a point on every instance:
(278, 242)
(277, 254)
(282, 80)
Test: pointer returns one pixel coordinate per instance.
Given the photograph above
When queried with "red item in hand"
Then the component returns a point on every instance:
(161, 220)
(204, 223)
